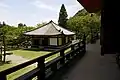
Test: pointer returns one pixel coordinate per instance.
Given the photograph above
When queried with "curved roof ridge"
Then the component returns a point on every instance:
(50, 28)
(55, 27)
(37, 28)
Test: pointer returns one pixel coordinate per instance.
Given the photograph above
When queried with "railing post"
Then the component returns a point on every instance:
(97, 36)
(54, 67)
(72, 48)
(79, 47)
(84, 43)
(41, 65)
(3, 77)
(62, 62)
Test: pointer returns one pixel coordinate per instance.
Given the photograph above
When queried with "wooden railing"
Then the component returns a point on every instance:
(94, 38)
(59, 62)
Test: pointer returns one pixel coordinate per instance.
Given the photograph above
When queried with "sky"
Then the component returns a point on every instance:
(32, 12)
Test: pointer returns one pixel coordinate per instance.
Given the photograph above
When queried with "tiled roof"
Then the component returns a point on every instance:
(50, 28)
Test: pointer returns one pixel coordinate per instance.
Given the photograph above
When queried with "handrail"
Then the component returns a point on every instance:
(41, 61)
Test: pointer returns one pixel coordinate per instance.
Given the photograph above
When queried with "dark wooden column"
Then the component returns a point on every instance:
(110, 32)
(63, 39)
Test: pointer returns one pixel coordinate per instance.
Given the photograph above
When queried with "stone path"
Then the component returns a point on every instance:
(16, 59)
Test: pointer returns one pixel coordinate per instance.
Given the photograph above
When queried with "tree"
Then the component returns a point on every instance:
(82, 12)
(24, 25)
(20, 25)
(0, 25)
(4, 24)
(41, 24)
(0, 42)
(83, 23)
(62, 17)
(3, 36)
(4, 44)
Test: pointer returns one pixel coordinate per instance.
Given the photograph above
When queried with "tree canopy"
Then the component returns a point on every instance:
(41, 24)
(62, 17)
(83, 23)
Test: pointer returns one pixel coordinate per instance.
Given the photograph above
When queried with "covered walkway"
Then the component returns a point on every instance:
(91, 67)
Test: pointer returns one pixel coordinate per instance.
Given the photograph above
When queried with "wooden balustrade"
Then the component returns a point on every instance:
(40, 72)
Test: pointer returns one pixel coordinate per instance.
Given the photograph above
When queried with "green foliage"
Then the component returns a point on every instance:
(20, 25)
(14, 35)
(29, 54)
(82, 12)
(83, 22)
(4, 24)
(62, 16)
(41, 24)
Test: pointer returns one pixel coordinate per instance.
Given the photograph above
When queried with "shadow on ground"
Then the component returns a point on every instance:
(65, 70)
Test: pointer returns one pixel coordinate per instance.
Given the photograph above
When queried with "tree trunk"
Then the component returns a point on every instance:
(1, 54)
(4, 55)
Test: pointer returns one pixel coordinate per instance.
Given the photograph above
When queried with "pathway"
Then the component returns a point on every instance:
(93, 67)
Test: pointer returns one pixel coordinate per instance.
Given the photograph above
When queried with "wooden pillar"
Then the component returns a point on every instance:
(101, 33)
(63, 39)
(110, 42)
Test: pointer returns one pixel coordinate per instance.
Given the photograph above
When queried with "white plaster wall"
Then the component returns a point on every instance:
(60, 41)
(66, 39)
(40, 41)
(53, 41)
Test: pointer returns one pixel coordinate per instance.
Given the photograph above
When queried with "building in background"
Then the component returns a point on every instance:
(50, 34)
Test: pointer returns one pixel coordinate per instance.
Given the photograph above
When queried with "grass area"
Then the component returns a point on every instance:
(56, 55)
(69, 49)
(5, 66)
(29, 54)
(20, 72)
(25, 54)
(17, 73)
(52, 57)
(33, 54)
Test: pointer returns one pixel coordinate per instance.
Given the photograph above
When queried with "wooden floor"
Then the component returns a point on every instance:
(91, 67)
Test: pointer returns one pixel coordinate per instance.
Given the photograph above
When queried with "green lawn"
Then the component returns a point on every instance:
(27, 54)
(5, 66)
(52, 57)
(69, 49)
(20, 72)
(17, 73)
